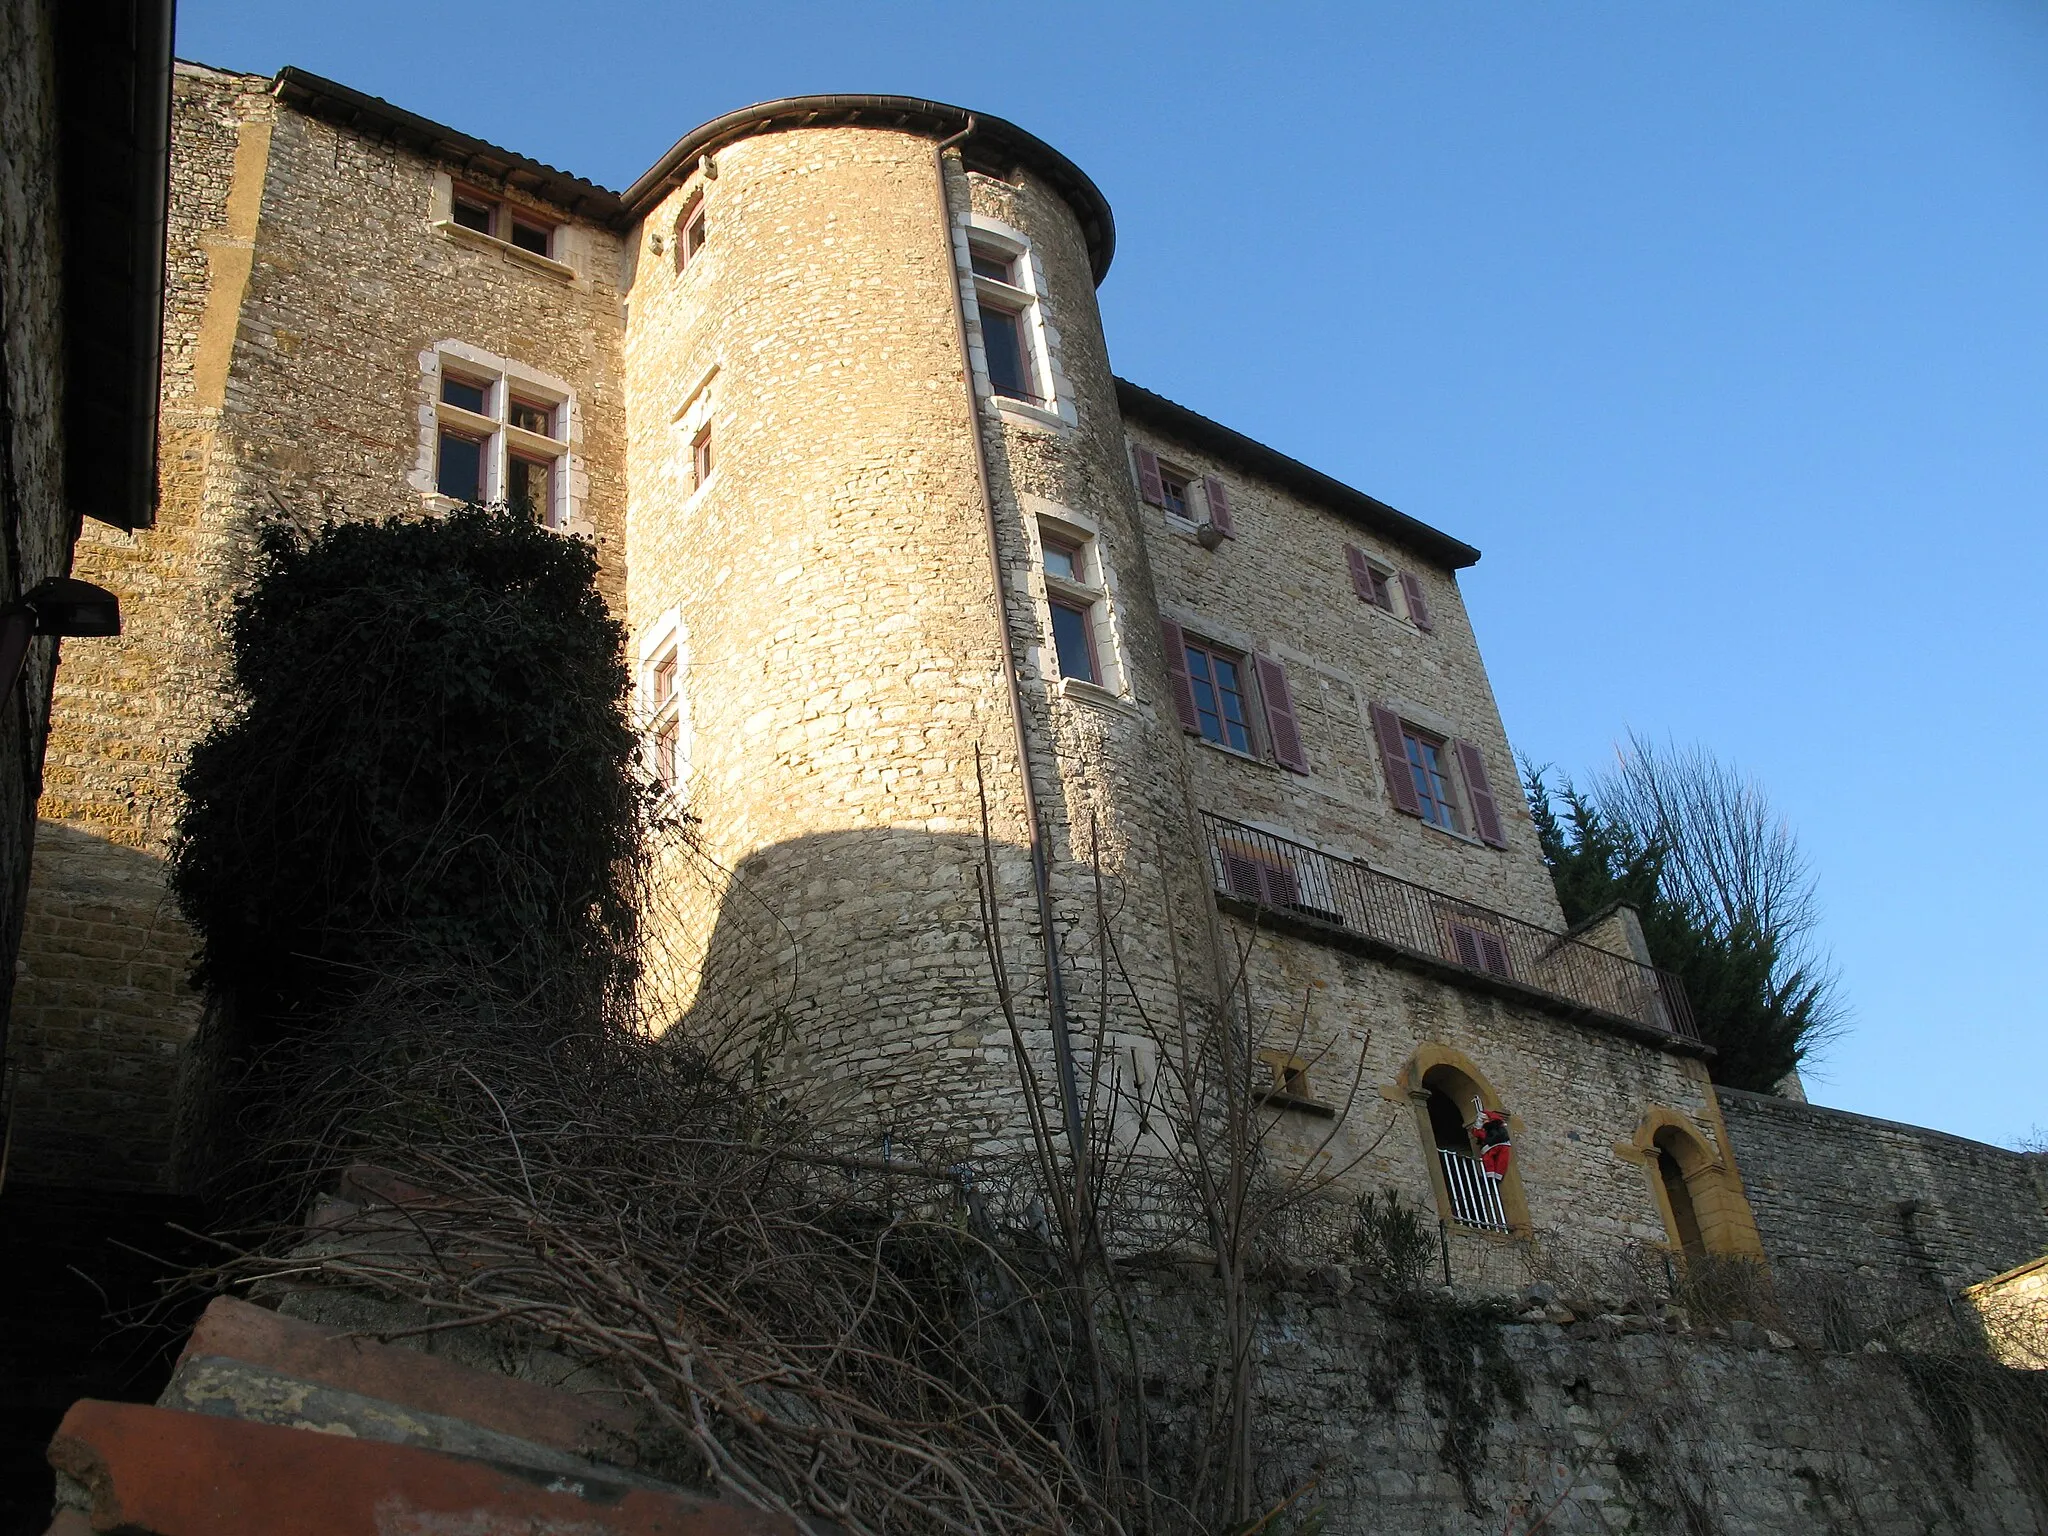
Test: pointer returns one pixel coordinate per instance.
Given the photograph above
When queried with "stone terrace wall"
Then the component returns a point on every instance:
(1900, 1206)
(1643, 1431)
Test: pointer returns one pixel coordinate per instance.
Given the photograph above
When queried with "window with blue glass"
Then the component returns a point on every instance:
(1432, 784)
(1073, 637)
(1222, 711)
(460, 474)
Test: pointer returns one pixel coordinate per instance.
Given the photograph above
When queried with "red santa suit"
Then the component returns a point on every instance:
(1492, 1135)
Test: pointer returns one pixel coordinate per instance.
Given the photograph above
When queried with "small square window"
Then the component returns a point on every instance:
(662, 682)
(474, 213)
(529, 416)
(1073, 636)
(531, 493)
(1173, 485)
(1378, 589)
(460, 472)
(532, 237)
(989, 264)
(465, 394)
(1064, 561)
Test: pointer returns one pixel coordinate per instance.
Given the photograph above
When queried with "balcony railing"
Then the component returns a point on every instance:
(1475, 1193)
(1293, 878)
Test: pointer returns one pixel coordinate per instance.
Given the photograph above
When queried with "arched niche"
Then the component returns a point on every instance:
(1440, 1083)
(1698, 1196)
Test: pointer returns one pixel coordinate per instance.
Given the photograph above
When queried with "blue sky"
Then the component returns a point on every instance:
(1721, 329)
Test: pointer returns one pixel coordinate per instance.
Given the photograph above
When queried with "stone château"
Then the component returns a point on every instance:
(828, 391)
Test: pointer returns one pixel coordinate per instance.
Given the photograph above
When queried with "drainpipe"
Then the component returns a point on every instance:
(1041, 874)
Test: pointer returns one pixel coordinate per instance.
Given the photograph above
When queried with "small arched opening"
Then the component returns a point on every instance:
(1447, 1096)
(1685, 1217)
(1698, 1194)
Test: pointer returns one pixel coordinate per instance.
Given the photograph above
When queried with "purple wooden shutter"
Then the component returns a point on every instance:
(1243, 876)
(1418, 606)
(1386, 725)
(1479, 790)
(1493, 954)
(1149, 485)
(1219, 506)
(1466, 942)
(1282, 890)
(1281, 726)
(1361, 574)
(1177, 674)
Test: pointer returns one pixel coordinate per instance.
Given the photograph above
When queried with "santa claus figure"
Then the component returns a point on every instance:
(1490, 1132)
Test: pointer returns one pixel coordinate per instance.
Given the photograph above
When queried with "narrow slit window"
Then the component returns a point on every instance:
(701, 459)
(692, 230)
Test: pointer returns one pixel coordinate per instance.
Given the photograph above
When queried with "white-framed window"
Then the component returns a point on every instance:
(693, 230)
(664, 706)
(1012, 344)
(1079, 612)
(494, 430)
(696, 446)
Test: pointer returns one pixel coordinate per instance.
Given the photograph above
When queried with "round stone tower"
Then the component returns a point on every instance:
(870, 410)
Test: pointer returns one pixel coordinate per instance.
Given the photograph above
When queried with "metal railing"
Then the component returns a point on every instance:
(1475, 1193)
(1291, 877)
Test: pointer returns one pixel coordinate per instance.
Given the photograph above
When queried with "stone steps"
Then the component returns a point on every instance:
(290, 1428)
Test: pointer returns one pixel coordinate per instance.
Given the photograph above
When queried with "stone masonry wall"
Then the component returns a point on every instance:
(36, 524)
(1578, 1096)
(1896, 1210)
(305, 281)
(1618, 1431)
(841, 661)
(1282, 587)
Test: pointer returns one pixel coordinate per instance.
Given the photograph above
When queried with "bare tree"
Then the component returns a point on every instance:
(1730, 857)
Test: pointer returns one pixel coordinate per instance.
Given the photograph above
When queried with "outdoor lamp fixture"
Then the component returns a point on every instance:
(59, 606)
